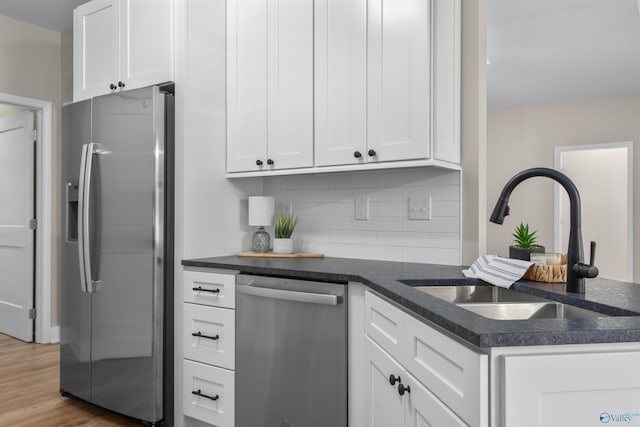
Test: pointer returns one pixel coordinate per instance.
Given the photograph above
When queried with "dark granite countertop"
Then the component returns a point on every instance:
(620, 300)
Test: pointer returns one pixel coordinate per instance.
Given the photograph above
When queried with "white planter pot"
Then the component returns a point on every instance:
(282, 246)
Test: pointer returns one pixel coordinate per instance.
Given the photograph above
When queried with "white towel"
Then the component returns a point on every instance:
(498, 271)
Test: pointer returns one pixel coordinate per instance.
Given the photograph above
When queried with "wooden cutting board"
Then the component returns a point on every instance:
(272, 255)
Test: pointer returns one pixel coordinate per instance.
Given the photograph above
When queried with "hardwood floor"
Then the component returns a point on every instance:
(29, 390)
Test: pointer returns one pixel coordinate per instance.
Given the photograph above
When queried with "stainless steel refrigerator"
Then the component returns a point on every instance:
(116, 253)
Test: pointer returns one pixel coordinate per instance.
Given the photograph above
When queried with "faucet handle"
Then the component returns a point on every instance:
(587, 270)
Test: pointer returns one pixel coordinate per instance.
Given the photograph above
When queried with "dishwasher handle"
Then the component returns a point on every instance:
(313, 298)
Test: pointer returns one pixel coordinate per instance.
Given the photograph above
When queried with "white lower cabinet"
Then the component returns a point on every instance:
(209, 393)
(208, 347)
(395, 398)
(446, 383)
(571, 386)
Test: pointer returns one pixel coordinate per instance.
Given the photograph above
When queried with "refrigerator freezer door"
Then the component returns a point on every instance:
(75, 304)
(127, 228)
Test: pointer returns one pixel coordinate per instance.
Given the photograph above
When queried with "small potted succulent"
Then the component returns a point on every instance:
(283, 243)
(525, 243)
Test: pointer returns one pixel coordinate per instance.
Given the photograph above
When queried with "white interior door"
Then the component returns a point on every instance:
(604, 177)
(17, 151)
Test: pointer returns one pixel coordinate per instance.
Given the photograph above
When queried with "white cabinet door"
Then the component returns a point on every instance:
(571, 390)
(95, 48)
(451, 371)
(340, 82)
(425, 409)
(385, 407)
(246, 85)
(399, 79)
(146, 42)
(446, 80)
(270, 84)
(290, 83)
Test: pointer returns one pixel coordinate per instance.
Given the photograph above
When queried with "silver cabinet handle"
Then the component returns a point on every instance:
(312, 298)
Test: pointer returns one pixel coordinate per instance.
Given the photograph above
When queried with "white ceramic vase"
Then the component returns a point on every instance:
(282, 246)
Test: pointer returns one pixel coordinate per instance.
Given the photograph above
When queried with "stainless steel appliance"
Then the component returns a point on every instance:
(116, 253)
(291, 353)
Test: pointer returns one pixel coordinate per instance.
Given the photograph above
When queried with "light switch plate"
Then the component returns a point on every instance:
(420, 208)
(285, 207)
(362, 208)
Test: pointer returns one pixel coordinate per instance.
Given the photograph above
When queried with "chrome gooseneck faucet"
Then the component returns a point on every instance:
(577, 271)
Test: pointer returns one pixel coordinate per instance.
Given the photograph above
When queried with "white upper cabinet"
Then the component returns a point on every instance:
(95, 48)
(399, 77)
(121, 44)
(326, 85)
(146, 42)
(446, 80)
(269, 84)
(340, 82)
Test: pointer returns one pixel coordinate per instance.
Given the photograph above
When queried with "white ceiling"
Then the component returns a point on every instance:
(55, 15)
(545, 51)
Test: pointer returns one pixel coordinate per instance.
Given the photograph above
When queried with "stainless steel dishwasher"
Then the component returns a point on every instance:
(291, 353)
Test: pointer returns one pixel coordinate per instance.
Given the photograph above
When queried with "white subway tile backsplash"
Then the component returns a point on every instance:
(395, 238)
(434, 225)
(444, 240)
(353, 237)
(431, 255)
(445, 208)
(325, 205)
(352, 180)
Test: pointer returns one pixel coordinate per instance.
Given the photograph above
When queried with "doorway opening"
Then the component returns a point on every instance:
(603, 174)
(43, 207)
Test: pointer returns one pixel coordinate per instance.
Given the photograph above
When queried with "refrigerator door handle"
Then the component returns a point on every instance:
(84, 245)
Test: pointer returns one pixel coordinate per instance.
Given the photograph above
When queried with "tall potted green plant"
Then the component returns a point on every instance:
(285, 225)
(525, 243)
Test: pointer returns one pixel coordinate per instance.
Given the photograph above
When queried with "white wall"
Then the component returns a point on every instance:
(520, 138)
(325, 204)
(211, 211)
(30, 58)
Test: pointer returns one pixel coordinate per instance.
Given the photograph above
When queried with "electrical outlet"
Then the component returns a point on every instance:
(285, 207)
(420, 208)
(362, 208)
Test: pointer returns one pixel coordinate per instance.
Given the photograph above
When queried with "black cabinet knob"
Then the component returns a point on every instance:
(120, 84)
(112, 86)
(270, 162)
(259, 162)
(372, 153)
(357, 154)
(402, 389)
(393, 379)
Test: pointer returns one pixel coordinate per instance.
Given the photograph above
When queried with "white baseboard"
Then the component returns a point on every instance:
(54, 333)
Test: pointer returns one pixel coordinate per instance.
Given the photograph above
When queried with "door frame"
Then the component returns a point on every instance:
(557, 227)
(44, 207)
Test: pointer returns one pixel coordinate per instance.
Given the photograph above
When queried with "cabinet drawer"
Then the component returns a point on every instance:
(384, 323)
(209, 288)
(215, 343)
(218, 384)
(448, 369)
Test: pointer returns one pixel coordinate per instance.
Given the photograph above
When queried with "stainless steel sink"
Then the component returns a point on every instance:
(477, 293)
(506, 304)
(529, 310)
